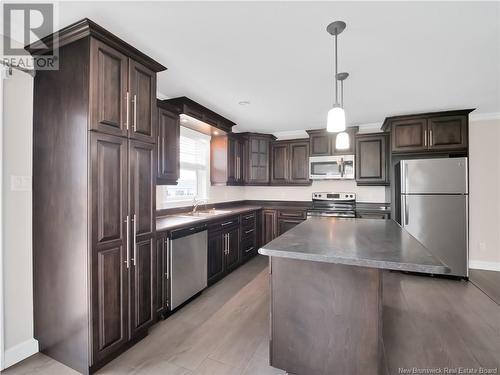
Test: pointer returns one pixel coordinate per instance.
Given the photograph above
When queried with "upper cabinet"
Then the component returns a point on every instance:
(372, 159)
(429, 132)
(235, 159)
(290, 162)
(257, 158)
(199, 112)
(323, 143)
(168, 145)
(122, 94)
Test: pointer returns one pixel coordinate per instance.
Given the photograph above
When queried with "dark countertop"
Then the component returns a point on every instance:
(359, 242)
(176, 221)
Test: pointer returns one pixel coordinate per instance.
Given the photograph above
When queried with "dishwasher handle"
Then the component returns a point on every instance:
(187, 231)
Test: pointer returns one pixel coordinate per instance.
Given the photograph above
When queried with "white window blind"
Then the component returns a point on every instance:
(193, 178)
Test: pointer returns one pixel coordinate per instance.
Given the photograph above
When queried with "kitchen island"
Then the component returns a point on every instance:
(326, 292)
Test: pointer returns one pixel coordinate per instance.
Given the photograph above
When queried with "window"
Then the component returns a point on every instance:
(194, 163)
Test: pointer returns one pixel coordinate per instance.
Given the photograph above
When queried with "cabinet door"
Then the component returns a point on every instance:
(269, 226)
(280, 163)
(142, 88)
(168, 147)
(232, 160)
(232, 248)
(109, 269)
(372, 160)
(108, 89)
(321, 144)
(258, 163)
(142, 167)
(215, 261)
(448, 133)
(409, 135)
(287, 224)
(299, 163)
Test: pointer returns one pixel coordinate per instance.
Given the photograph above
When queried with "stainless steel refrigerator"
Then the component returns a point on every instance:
(434, 207)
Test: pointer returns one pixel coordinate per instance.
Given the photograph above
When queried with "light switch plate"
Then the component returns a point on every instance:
(20, 183)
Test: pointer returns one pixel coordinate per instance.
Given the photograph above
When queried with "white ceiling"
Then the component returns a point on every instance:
(403, 57)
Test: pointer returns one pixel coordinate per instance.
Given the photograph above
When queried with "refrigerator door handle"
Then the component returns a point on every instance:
(406, 212)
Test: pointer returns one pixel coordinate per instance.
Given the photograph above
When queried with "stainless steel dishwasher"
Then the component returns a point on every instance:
(188, 263)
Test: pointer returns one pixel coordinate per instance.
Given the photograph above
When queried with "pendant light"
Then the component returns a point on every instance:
(336, 115)
(342, 139)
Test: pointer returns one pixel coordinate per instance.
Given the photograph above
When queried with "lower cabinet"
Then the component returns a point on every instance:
(162, 292)
(289, 218)
(373, 215)
(269, 225)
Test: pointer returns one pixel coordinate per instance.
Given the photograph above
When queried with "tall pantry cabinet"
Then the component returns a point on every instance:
(94, 176)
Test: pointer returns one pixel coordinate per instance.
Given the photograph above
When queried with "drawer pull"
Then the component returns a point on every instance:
(224, 224)
(249, 217)
(249, 231)
(296, 214)
(249, 249)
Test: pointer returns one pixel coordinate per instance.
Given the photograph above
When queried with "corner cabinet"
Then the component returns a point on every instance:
(269, 222)
(429, 132)
(94, 231)
(372, 159)
(290, 162)
(168, 146)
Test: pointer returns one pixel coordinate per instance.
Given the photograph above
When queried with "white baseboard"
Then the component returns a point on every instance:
(19, 352)
(488, 266)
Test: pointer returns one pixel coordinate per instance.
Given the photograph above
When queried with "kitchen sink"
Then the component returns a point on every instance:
(206, 213)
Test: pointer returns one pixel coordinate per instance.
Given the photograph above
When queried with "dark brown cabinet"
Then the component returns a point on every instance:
(290, 162)
(289, 218)
(235, 159)
(94, 246)
(223, 248)
(269, 222)
(429, 132)
(122, 94)
(372, 159)
(168, 146)
(257, 158)
(323, 143)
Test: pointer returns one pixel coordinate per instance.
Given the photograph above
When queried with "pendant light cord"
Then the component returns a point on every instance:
(336, 65)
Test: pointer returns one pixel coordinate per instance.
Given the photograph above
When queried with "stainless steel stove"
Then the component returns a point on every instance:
(330, 204)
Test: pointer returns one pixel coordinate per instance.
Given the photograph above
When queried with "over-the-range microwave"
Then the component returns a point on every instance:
(331, 167)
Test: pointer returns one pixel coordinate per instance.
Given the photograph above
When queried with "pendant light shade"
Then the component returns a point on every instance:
(342, 141)
(336, 120)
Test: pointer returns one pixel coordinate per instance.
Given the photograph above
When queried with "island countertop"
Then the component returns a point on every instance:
(359, 242)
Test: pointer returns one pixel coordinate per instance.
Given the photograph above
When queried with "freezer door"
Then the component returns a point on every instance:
(434, 176)
(440, 223)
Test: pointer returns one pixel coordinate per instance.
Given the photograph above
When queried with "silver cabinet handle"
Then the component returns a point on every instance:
(224, 224)
(127, 97)
(248, 217)
(127, 242)
(249, 231)
(425, 137)
(430, 138)
(167, 240)
(249, 249)
(135, 238)
(135, 112)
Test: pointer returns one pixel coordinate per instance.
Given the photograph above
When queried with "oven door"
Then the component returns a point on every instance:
(325, 167)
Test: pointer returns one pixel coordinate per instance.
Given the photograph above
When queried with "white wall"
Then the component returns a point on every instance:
(17, 216)
(484, 203)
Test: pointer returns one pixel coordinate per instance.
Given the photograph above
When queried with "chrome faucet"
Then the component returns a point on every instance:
(196, 203)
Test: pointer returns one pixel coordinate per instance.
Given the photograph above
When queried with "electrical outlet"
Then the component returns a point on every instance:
(20, 183)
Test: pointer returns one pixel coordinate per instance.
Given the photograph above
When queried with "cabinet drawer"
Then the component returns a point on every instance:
(224, 224)
(292, 213)
(373, 215)
(248, 247)
(248, 220)
(248, 232)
